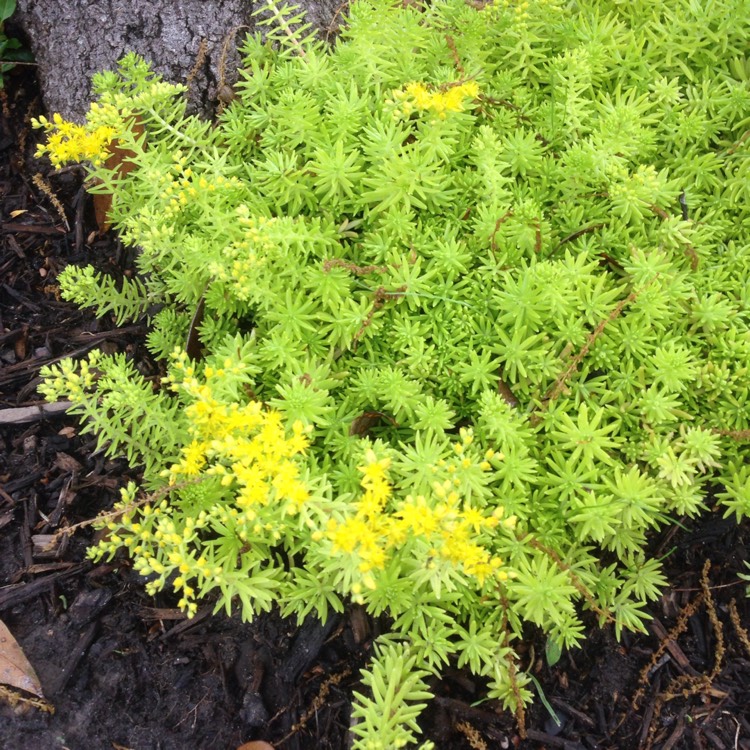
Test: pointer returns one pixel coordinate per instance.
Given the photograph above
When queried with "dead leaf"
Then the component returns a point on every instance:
(67, 463)
(369, 419)
(68, 432)
(256, 745)
(15, 669)
(120, 162)
(20, 345)
(19, 212)
(504, 390)
(359, 623)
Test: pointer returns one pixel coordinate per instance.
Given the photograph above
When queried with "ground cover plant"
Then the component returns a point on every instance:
(453, 313)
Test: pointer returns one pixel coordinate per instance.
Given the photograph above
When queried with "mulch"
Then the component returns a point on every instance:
(125, 670)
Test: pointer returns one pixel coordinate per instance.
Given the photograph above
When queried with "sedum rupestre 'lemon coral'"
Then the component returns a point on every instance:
(472, 296)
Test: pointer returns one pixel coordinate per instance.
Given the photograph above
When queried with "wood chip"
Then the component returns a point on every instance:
(35, 413)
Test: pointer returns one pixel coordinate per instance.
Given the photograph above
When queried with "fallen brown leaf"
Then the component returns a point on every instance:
(119, 161)
(15, 669)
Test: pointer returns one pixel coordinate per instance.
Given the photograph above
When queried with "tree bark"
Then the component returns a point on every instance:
(187, 41)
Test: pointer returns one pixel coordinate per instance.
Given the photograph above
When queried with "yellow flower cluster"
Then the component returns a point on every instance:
(448, 528)
(156, 531)
(634, 193)
(160, 546)
(241, 450)
(182, 186)
(416, 97)
(522, 8)
(243, 444)
(108, 114)
(368, 532)
(451, 527)
(242, 259)
(67, 142)
(74, 379)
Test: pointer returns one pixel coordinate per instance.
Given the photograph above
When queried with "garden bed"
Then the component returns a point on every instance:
(125, 670)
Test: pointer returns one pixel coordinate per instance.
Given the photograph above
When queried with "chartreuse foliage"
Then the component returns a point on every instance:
(475, 321)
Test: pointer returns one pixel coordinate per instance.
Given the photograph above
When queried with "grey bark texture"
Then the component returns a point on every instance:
(73, 39)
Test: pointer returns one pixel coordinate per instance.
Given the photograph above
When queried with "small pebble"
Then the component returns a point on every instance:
(253, 713)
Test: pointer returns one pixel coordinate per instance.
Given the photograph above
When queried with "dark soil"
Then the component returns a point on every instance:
(124, 670)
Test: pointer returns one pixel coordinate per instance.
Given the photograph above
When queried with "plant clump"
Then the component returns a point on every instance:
(470, 289)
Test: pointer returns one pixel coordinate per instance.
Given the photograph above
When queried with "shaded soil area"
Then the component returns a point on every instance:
(124, 670)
